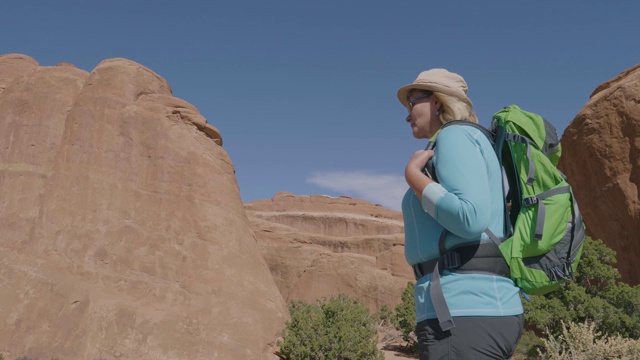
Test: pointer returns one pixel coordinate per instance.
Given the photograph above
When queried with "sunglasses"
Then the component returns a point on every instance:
(415, 99)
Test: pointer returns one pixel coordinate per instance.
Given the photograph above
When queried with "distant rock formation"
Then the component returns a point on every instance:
(319, 246)
(601, 157)
(122, 232)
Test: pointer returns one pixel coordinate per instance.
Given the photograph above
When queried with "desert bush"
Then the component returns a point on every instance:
(529, 346)
(581, 341)
(384, 317)
(338, 328)
(404, 316)
(612, 307)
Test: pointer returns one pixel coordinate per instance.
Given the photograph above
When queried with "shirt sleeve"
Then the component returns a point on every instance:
(461, 201)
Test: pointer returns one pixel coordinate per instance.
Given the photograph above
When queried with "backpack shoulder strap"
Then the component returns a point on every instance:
(482, 129)
(429, 168)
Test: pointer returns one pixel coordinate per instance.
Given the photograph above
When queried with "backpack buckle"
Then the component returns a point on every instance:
(530, 201)
(451, 260)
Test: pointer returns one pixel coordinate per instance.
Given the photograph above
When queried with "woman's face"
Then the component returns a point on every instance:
(422, 114)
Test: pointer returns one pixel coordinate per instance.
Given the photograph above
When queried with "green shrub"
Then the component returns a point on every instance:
(339, 329)
(404, 317)
(529, 346)
(384, 317)
(595, 296)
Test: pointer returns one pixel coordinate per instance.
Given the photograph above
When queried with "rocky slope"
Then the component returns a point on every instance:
(123, 233)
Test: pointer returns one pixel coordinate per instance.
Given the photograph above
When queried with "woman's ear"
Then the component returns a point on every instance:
(437, 104)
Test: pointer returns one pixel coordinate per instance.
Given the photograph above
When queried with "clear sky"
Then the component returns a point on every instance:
(304, 92)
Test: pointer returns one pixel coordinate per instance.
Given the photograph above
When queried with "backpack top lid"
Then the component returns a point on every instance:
(533, 126)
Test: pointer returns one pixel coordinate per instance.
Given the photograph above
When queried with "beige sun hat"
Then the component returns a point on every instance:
(437, 80)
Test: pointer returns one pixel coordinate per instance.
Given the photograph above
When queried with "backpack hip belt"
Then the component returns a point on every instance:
(480, 258)
(477, 258)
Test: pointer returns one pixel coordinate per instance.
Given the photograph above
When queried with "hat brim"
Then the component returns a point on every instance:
(435, 88)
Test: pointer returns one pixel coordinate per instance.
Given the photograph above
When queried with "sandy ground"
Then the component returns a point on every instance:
(390, 353)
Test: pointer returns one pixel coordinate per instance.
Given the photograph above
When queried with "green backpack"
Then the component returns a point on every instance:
(545, 245)
(544, 231)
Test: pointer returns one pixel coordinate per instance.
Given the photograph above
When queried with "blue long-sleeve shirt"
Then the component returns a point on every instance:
(466, 201)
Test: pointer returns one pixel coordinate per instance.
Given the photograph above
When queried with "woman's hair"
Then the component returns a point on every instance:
(454, 109)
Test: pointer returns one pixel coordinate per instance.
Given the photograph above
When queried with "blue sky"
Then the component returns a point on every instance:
(304, 93)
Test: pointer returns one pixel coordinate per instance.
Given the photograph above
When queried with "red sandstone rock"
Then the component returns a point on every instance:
(601, 157)
(122, 230)
(13, 66)
(319, 246)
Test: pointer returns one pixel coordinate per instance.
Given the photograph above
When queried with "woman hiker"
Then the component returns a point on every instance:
(482, 313)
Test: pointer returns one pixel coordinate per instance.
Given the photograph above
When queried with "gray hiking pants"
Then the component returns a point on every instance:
(473, 338)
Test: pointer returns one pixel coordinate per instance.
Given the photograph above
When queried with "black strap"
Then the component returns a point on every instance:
(424, 268)
(477, 258)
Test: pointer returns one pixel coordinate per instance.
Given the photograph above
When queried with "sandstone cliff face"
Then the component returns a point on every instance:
(123, 235)
(601, 157)
(319, 246)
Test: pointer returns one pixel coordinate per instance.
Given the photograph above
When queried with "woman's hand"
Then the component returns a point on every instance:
(419, 159)
(413, 172)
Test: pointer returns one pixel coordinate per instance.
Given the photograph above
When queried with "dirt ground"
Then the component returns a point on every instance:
(395, 352)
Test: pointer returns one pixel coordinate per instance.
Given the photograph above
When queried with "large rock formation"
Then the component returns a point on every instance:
(601, 157)
(122, 232)
(319, 246)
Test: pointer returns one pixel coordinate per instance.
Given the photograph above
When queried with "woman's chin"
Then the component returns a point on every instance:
(419, 134)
